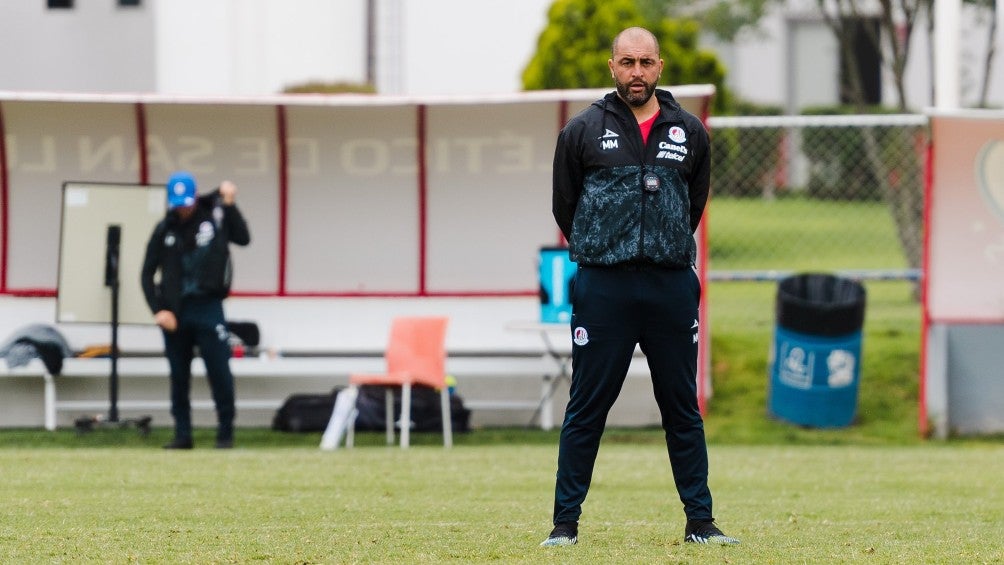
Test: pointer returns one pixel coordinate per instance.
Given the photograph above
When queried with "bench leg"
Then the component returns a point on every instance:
(405, 415)
(50, 402)
(546, 405)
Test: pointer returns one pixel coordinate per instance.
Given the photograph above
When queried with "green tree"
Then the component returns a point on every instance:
(573, 49)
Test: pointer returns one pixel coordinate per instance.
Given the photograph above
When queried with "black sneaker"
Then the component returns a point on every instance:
(224, 443)
(705, 531)
(179, 444)
(565, 533)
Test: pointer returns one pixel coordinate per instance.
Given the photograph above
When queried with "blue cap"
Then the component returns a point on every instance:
(180, 190)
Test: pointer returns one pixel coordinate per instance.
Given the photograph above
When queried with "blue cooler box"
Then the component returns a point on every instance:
(556, 272)
(815, 367)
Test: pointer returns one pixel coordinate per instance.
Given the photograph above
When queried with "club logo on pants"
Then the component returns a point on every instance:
(580, 336)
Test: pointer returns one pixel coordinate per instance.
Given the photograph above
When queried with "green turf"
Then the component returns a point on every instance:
(801, 234)
(491, 503)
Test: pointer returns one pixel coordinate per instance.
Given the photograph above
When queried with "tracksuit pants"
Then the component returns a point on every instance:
(615, 309)
(200, 324)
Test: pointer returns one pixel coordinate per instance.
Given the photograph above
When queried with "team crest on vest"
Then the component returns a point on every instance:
(205, 234)
(677, 134)
(580, 336)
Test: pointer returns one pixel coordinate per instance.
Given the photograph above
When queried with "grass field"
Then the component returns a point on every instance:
(800, 234)
(488, 502)
(875, 492)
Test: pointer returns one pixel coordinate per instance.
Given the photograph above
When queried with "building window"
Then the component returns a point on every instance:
(53, 4)
(861, 64)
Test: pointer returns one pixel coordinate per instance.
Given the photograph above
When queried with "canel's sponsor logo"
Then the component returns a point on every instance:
(671, 147)
(671, 151)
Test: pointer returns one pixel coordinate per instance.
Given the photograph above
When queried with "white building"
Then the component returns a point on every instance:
(256, 47)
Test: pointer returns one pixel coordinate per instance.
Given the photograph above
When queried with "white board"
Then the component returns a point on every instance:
(87, 212)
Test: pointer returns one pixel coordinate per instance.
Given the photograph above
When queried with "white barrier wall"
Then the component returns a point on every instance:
(345, 195)
(961, 385)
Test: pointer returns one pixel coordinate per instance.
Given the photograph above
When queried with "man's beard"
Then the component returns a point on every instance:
(636, 100)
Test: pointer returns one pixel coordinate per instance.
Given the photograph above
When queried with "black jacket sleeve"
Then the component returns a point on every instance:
(700, 178)
(151, 263)
(233, 223)
(236, 226)
(567, 178)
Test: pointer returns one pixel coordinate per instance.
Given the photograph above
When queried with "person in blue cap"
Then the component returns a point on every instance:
(190, 250)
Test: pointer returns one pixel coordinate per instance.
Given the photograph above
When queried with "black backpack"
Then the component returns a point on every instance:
(305, 412)
(425, 412)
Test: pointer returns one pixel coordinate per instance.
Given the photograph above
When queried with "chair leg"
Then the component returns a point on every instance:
(444, 405)
(388, 413)
(405, 415)
(350, 436)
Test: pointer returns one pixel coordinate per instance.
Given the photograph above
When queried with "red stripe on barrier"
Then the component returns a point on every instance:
(704, 339)
(392, 294)
(280, 115)
(925, 316)
(4, 206)
(423, 186)
(31, 292)
(144, 162)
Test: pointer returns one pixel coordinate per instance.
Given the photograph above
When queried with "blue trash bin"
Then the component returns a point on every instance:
(816, 354)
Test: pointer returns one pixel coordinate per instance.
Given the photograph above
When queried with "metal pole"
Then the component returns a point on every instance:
(112, 281)
(113, 412)
(947, 21)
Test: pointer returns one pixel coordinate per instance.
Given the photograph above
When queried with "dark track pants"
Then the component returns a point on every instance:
(200, 324)
(615, 309)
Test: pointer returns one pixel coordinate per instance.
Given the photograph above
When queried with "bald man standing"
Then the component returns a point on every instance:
(631, 180)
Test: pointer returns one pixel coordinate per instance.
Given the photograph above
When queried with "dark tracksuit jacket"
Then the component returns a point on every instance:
(193, 261)
(629, 210)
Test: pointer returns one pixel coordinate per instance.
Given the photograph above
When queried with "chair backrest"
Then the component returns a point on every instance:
(418, 346)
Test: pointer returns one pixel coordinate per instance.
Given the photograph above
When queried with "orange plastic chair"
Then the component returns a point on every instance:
(416, 354)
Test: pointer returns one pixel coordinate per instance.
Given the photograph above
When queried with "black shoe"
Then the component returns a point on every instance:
(565, 533)
(224, 443)
(705, 531)
(179, 444)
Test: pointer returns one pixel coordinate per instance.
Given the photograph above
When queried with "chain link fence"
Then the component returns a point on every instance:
(835, 194)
